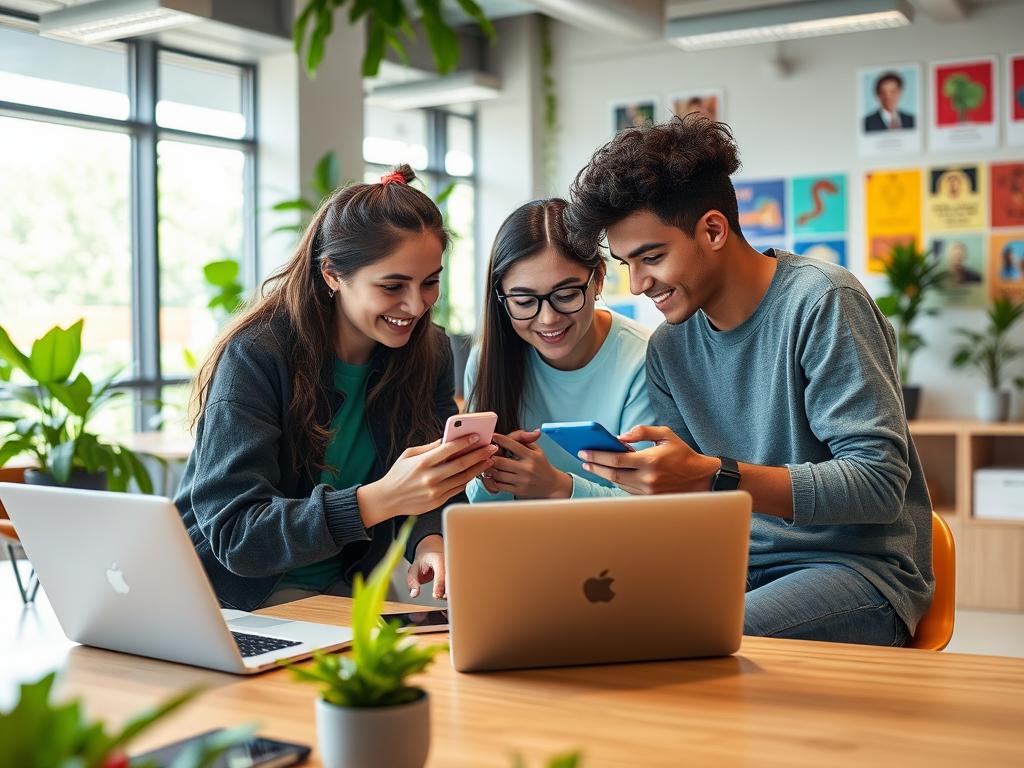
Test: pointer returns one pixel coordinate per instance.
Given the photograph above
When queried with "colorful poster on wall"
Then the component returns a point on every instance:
(818, 205)
(1006, 276)
(633, 112)
(762, 207)
(710, 102)
(892, 213)
(1015, 100)
(616, 280)
(832, 251)
(964, 105)
(964, 256)
(956, 198)
(1008, 194)
(889, 110)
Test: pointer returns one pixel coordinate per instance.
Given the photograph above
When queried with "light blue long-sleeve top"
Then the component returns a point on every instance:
(611, 389)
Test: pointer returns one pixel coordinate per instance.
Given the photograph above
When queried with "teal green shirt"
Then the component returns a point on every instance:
(351, 456)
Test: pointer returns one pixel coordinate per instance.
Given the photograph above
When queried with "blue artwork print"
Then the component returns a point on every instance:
(819, 205)
(762, 207)
(832, 251)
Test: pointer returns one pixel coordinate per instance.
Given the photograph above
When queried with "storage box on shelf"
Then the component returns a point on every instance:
(990, 552)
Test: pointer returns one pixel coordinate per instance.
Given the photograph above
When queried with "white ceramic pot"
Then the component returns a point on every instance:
(374, 737)
(992, 404)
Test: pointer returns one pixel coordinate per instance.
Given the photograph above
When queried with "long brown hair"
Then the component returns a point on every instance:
(501, 366)
(355, 227)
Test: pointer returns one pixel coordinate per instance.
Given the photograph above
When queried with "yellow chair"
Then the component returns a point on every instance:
(935, 628)
(10, 538)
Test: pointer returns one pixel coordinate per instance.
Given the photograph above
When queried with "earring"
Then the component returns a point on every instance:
(598, 297)
(330, 292)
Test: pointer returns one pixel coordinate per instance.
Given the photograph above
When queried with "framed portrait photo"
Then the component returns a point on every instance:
(628, 113)
(710, 102)
(889, 110)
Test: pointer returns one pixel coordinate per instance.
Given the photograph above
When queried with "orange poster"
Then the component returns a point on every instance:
(893, 213)
(1008, 194)
(1006, 276)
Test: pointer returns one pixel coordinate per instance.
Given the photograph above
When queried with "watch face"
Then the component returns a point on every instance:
(728, 477)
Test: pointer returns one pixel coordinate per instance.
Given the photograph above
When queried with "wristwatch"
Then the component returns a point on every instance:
(727, 478)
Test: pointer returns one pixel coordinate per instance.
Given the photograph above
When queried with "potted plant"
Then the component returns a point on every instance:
(54, 410)
(37, 734)
(367, 715)
(989, 352)
(912, 275)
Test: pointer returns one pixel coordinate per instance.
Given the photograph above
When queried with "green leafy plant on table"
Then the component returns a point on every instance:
(39, 734)
(912, 276)
(388, 21)
(59, 408)
(375, 672)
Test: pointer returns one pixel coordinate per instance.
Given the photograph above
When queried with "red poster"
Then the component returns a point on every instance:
(1017, 88)
(1007, 194)
(963, 93)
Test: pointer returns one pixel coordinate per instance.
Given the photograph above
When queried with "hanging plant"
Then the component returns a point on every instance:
(389, 23)
(549, 140)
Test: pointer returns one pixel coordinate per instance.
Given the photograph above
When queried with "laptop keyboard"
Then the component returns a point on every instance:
(254, 645)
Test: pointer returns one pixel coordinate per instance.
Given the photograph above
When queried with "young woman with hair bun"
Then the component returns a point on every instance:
(319, 411)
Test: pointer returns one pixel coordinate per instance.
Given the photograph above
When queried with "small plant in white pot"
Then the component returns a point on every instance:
(368, 716)
(989, 352)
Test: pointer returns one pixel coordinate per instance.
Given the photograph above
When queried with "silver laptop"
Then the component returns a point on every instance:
(591, 581)
(120, 572)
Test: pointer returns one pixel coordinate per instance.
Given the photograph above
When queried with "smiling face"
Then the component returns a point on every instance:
(565, 341)
(889, 94)
(678, 273)
(382, 302)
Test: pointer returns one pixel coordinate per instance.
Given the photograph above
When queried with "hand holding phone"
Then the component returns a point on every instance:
(465, 424)
(576, 436)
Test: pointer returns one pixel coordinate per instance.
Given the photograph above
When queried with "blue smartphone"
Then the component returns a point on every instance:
(576, 436)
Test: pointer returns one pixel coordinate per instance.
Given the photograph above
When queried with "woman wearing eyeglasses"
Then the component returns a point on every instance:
(546, 353)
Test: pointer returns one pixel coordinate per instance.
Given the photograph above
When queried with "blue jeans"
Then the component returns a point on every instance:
(819, 601)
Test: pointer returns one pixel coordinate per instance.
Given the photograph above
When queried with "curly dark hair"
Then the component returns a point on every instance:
(677, 170)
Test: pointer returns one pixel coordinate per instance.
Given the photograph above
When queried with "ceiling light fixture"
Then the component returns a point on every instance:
(457, 88)
(106, 20)
(787, 22)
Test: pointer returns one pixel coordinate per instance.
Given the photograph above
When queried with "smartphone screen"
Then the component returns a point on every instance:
(421, 621)
(255, 751)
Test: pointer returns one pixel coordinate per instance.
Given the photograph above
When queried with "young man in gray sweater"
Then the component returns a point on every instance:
(774, 374)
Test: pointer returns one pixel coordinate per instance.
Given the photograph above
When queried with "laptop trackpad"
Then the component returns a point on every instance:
(257, 622)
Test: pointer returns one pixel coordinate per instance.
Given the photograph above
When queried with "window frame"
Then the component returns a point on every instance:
(148, 381)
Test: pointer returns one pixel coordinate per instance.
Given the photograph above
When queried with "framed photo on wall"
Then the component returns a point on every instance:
(627, 113)
(1015, 100)
(710, 102)
(889, 110)
(964, 105)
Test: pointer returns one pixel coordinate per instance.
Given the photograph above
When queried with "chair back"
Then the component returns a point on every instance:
(935, 628)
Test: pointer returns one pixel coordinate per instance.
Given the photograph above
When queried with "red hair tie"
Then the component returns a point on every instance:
(395, 177)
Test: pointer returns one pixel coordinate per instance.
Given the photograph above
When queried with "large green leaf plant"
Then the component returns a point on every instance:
(912, 275)
(50, 418)
(990, 351)
(388, 22)
(375, 672)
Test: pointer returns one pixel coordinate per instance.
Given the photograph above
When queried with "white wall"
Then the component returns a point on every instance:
(804, 123)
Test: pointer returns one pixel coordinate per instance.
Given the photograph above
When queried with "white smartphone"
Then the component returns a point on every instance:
(466, 424)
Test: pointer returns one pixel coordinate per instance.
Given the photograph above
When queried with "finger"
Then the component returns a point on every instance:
(444, 451)
(510, 445)
(500, 476)
(612, 459)
(506, 465)
(489, 485)
(412, 581)
(482, 457)
(524, 437)
(440, 576)
(642, 434)
(426, 572)
(457, 483)
(417, 450)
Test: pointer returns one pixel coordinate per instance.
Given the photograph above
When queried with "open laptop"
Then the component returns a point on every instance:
(120, 572)
(590, 581)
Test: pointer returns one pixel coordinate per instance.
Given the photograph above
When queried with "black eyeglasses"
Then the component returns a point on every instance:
(565, 301)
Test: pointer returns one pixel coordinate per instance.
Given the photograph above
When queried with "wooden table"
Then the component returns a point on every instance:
(775, 703)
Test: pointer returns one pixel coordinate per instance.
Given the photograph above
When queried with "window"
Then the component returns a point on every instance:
(124, 169)
(440, 147)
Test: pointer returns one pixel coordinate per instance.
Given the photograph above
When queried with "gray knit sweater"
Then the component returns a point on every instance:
(809, 382)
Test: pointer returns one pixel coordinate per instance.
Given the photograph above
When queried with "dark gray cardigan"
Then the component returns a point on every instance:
(251, 516)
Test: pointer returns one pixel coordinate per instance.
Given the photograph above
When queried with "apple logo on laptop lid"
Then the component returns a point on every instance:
(116, 578)
(599, 589)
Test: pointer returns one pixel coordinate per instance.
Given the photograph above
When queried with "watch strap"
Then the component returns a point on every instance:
(727, 478)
